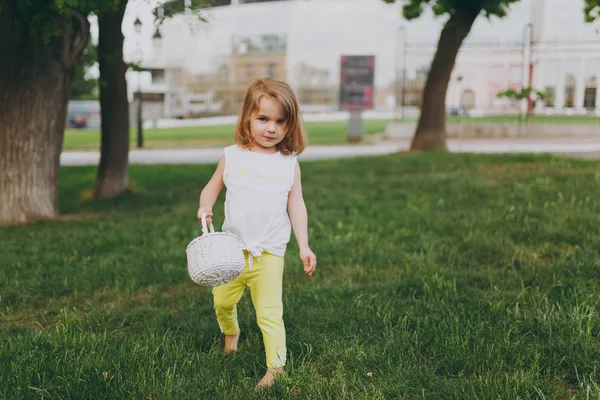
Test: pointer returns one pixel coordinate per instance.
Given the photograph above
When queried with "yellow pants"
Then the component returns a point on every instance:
(265, 281)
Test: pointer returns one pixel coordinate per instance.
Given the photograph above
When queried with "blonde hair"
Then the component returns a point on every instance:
(294, 141)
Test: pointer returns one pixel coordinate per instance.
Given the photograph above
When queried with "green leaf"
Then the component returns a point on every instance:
(414, 8)
(591, 10)
(172, 8)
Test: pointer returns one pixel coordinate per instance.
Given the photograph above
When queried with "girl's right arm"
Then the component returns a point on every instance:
(211, 192)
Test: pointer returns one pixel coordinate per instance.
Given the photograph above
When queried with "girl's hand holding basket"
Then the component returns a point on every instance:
(208, 212)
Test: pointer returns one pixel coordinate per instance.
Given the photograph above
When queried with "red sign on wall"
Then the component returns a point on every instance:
(357, 82)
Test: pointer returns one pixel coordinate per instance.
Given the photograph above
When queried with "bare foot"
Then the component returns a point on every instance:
(231, 343)
(270, 376)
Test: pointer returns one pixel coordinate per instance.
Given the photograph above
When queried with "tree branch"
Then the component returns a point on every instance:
(82, 35)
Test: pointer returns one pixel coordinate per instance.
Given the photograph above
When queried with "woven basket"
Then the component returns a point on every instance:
(214, 258)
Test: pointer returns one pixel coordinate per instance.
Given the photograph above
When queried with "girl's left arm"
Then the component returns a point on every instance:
(299, 219)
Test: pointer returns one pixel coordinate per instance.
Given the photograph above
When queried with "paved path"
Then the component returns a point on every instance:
(205, 156)
(571, 146)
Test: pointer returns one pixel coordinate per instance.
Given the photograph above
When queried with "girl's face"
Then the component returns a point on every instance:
(267, 126)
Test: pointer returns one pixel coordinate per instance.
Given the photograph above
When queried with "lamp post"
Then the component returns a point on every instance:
(527, 81)
(459, 108)
(140, 130)
(157, 42)
(400, 52)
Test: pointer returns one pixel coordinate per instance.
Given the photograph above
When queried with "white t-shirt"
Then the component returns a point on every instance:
(256, 199)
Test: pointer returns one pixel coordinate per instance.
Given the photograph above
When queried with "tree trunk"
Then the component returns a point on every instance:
(35, 78)
(431, 129)
(113, 171)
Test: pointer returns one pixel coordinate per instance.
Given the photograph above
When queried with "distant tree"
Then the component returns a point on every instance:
(431, 129)
(525, 93)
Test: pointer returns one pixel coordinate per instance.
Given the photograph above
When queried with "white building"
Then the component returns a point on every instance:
(206, 60)
(564, 60)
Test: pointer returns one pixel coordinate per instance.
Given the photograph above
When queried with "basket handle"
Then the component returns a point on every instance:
(204, 228)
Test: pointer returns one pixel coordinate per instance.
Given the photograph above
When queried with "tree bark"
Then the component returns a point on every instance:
(35, 78)
(113, 172)
(431, 129)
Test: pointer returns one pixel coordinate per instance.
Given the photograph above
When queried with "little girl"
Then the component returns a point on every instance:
(262, 177)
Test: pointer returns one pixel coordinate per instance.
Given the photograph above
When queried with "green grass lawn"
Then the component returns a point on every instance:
(516, 119)
(320, 133)
(440, 276)
(535, 119)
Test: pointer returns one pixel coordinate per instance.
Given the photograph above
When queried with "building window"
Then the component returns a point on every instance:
(549, 92)
(589, 99)
(570, 88)
(550, 74)
(467, 99)
(158, 76)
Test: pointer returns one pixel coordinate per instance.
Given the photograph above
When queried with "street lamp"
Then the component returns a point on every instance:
(140, 132)
(157, 38)
(137, 25)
